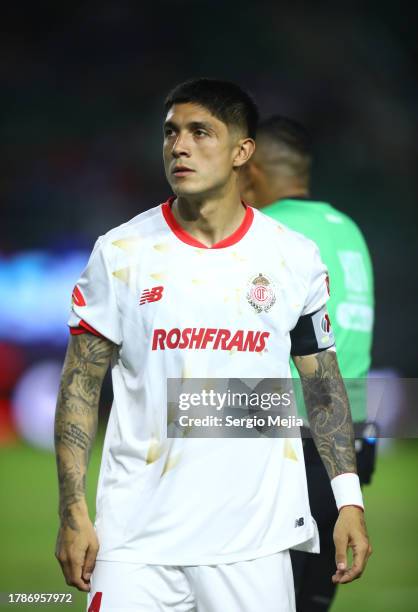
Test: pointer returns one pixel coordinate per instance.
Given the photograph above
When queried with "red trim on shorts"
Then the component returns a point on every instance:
(84, 328)
(181, 233)
(96, 602)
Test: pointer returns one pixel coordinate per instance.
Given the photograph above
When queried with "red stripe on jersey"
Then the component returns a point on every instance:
(84, 328)
(188, 239)
(96, 602)
(78, 297)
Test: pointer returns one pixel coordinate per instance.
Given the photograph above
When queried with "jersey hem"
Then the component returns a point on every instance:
(84, 328)
(219, 559)
(99, 329)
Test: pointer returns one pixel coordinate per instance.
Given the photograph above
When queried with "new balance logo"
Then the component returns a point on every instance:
(299, 522)
(151, 295)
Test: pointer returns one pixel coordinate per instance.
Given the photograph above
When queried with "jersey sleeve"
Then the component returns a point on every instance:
(94, 304)
(313, 332)
(318, 289)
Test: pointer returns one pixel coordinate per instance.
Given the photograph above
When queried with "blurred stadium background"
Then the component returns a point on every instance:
(81, 104)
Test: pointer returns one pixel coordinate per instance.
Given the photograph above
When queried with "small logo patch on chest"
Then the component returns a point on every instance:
(151, 295)
(261, 293)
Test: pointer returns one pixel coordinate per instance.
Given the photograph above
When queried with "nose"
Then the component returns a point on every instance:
(181, 147)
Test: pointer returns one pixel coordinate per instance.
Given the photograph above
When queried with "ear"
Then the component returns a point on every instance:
(243, 152)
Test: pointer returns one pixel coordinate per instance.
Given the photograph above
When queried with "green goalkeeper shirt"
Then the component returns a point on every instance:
(351, 304)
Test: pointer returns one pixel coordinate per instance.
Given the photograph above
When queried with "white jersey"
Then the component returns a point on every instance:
(177, 309)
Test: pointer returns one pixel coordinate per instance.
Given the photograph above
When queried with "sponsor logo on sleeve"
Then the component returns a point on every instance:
(77, 297)
(327, 284)
(323, 329)
(325, 324)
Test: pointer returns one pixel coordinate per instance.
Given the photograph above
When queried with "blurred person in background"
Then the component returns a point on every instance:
(207, 523)
(277, 180)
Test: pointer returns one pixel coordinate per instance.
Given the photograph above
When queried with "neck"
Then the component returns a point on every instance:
(294, 193)
(287, 192)
(209, 219)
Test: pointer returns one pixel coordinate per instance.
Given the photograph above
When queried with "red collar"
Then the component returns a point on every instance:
(188, 239)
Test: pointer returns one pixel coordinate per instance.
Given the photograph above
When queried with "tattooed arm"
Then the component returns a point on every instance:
(328, 411)
(85, 366)
(331, 426)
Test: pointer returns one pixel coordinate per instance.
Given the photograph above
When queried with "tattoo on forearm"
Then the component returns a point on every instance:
(85, 365)
(329, 414)
(74, 435)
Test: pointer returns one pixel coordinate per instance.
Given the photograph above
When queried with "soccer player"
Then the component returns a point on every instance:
(277, 178)
(200, 286)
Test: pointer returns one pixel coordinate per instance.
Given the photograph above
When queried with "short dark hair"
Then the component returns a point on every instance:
(225, 100)
(288, 132)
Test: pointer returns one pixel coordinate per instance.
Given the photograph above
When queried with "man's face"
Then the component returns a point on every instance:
(199, 150)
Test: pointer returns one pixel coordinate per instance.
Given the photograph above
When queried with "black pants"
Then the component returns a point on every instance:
(312, 573)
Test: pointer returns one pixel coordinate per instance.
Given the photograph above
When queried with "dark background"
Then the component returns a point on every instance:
(81, 103)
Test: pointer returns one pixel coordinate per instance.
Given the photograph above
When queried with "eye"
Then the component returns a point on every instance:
(200, 133)
(168, 131)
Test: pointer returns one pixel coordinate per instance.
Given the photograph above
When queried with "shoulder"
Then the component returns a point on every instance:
(133, 233)
(290, 239)
(350, 223)
(347, 224)
(144, 223)
(334, 215)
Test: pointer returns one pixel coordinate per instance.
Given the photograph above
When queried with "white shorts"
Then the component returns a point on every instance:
(259, 585)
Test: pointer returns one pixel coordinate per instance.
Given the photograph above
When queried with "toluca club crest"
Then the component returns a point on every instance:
(261, 294)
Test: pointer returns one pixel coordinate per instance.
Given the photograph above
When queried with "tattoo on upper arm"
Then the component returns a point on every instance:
(85, 365)
(329, 413)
